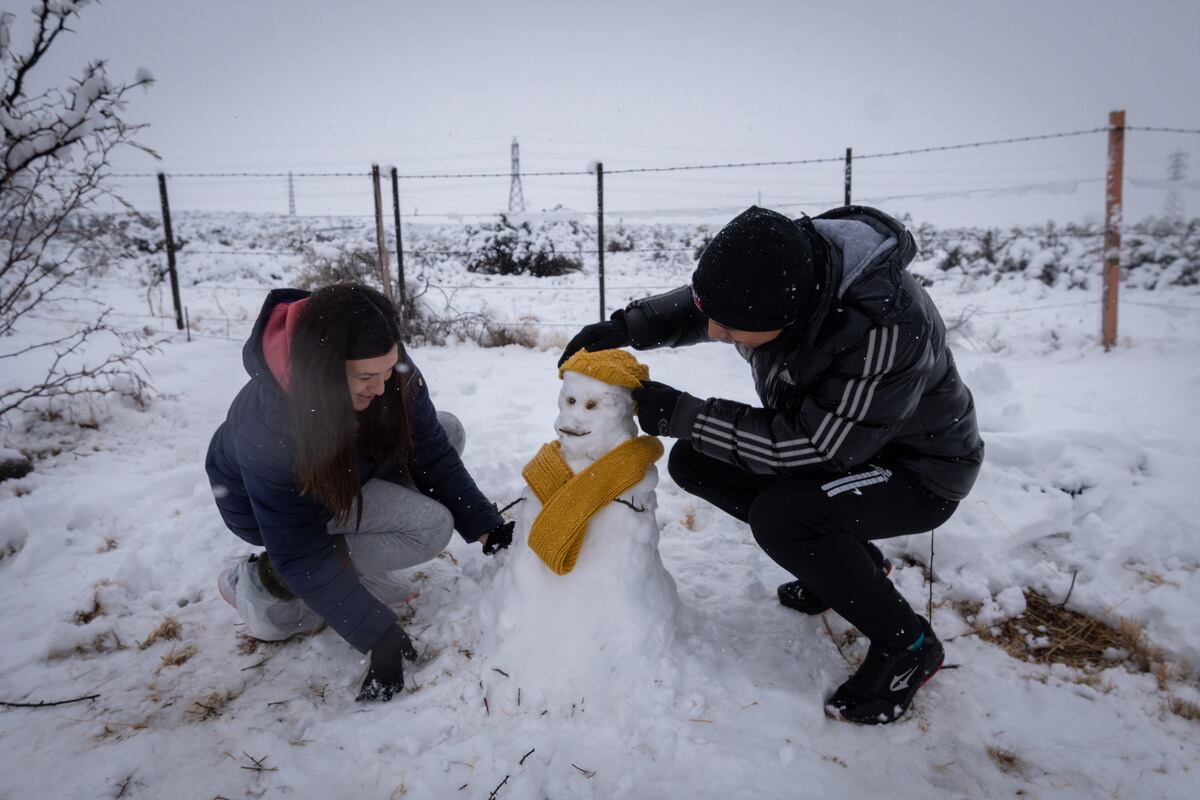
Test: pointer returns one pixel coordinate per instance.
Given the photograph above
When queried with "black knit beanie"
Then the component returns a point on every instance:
(760, 272)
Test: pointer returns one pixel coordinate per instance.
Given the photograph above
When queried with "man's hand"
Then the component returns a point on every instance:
(598, 336)
(498, 539)
(655, 404)
(385, 678)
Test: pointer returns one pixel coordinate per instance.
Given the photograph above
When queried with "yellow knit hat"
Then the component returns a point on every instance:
(615, 367)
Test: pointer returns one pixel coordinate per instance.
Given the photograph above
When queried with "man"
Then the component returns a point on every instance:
(866, 430)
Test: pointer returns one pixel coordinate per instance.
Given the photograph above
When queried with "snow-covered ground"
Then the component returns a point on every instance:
(1091, 472)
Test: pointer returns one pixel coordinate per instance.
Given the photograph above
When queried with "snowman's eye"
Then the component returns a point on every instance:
(590, 405)
(570, 401)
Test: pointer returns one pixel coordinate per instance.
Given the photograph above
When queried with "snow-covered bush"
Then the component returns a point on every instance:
(505, 248)
(1154, 253)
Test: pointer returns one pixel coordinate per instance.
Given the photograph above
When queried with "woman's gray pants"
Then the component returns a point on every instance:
(400, 526)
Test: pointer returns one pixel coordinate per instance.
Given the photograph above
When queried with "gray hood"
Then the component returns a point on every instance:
(860, 244)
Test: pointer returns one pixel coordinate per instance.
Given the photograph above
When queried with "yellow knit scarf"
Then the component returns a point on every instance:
(569, 500)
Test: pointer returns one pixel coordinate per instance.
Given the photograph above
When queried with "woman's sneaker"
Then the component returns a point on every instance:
(794, 595)
(883, 687)
(267, 617)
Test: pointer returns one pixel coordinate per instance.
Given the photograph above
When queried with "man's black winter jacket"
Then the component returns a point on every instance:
(868, 376)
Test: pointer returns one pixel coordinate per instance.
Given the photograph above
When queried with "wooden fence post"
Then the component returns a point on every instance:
(1113, 219)
(380, 239)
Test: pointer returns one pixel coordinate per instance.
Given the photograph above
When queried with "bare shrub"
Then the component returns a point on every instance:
(54, 160)
(343, 264)
(167, 630)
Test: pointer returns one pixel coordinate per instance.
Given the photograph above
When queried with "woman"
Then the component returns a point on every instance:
(333, 459)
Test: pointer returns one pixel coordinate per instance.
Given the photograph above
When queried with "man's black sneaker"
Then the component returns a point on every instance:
(883, 687)
(794, 595)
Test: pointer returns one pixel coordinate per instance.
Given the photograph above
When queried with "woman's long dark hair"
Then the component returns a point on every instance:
(328, 431)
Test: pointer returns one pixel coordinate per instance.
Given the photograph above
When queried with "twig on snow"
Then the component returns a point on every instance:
(1067, 599)
(527, 755)
(492, 796)
(258, 764)
(48, 703)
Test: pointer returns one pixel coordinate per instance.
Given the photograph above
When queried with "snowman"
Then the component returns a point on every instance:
(583, 605)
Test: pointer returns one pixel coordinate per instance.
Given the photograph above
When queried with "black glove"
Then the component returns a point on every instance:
(499, 538)
(598, 336)
(655, 404)
(385, 678)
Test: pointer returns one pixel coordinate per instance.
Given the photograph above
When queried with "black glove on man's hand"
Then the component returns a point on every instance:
(655, 404)
(499, 538)
(385, 678)
(598, 336)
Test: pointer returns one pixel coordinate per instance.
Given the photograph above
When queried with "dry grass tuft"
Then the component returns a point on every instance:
(167, 630)
(119, 731)
(212, 706)
(106, 642)
(178, 656)
(1182, 708)
(109, 545)
(247, 645)
(1008, 761)
(1048, 633)
(1142, 651)
(689, 519)
(97, 609)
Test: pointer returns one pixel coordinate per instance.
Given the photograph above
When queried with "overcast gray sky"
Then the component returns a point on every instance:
(444, 86)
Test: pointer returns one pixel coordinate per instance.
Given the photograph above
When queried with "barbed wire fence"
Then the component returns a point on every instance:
(363, 186)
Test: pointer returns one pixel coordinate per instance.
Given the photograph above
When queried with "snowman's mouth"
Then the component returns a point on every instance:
(569, 432)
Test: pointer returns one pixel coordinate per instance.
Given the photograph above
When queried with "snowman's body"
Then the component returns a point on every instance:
(612, 616)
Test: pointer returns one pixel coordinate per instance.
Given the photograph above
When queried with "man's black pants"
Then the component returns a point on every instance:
(814, 525)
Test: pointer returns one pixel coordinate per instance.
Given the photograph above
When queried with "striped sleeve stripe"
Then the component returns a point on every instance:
(856, 401)
(878, 366)
(720, 423)
(727, 439)
(755, 453)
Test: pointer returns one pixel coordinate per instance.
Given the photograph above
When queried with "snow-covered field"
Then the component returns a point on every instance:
(1090, 479)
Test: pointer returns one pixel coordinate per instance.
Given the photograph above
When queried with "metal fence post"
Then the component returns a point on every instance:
(1113, 219)
(380, 239)
(849, 160)
(399, 245)
(600, 230)
(170, 242)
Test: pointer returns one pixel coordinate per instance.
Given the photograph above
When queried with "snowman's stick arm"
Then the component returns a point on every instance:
(638, 509)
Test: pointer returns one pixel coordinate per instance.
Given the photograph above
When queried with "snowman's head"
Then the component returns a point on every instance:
(593, 416)
(595, 406)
